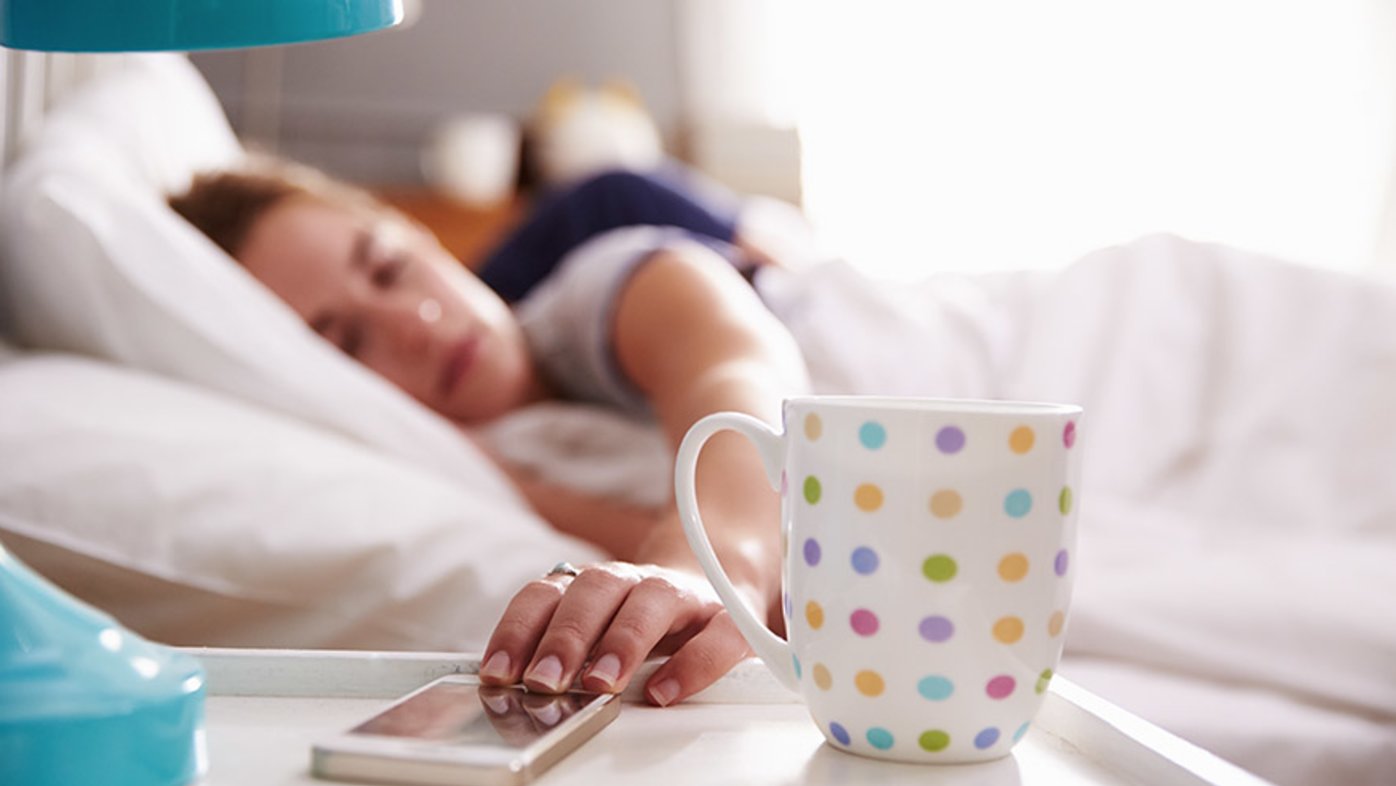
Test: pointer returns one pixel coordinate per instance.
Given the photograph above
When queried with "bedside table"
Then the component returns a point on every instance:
(467, 231)
(267, 707)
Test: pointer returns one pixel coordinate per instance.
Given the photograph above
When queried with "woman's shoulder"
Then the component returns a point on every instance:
(568, 318)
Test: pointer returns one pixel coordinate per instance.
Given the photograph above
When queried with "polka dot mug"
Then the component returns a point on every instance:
(928, 565)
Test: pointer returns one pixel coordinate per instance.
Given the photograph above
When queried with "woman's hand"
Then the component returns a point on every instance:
(604, 622)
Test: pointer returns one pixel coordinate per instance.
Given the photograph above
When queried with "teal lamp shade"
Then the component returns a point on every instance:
(84, 701)
(185, 25)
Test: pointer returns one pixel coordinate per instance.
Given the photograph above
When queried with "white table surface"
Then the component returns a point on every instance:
(746, 729)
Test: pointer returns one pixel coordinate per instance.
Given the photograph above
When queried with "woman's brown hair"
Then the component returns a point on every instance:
(226, 204)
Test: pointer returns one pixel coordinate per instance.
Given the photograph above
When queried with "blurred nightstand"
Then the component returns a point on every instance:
(467, 231)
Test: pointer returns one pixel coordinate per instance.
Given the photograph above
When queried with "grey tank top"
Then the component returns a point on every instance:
(568, 318)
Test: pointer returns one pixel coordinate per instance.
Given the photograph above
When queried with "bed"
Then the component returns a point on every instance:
(179, 450)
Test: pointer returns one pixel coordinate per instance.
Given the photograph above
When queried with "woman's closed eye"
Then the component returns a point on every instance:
(386, 273)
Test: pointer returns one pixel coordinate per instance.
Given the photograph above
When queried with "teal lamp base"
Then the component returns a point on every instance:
(83, 700)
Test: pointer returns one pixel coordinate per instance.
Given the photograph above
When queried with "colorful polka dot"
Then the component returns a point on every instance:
(796, 662)
(950, 439)
(1013, 567)
(1069, 434)
(814, 615)
(865, 560)
(1064, 500)
(840, 734)
(1008, 629)
(880, 738)
(1018, 735)
(1055, 623)
(1020, 441)
(864, 622)
(1061, 563)
(986, 738)
(934, 741)
(1018, 503)
(936, 629)
(814, 427)
(1043, 680)
(813, 490)
(935, 687)
(822, 678)
(939, 567)
(872, 435)
(868, 497)
(946, 503)
(1000, 687)
(812, 552)
(869, 683)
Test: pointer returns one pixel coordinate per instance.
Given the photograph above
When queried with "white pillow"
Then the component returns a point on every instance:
(197, 519)
(93, 261)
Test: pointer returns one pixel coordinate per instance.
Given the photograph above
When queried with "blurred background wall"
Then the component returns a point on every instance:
(919, 136)
(362, 107)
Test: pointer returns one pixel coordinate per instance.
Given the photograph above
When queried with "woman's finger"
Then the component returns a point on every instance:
(707, 656)
(519, 629)
(654, 609)
(578, 621)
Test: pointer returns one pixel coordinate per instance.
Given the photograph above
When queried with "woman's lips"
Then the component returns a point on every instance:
(458, 362)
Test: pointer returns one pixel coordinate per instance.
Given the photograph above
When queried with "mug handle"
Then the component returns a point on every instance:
(774, 651)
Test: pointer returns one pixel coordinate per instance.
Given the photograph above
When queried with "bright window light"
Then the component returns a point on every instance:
(1021, 134)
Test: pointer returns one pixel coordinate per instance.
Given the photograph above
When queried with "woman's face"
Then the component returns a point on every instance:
(392, 298)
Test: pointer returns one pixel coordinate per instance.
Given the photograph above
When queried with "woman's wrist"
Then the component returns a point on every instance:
(751, 564)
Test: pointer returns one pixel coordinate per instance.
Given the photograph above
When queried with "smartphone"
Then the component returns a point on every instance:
(457, 731)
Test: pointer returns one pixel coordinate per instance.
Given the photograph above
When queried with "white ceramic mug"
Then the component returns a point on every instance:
(928, 565)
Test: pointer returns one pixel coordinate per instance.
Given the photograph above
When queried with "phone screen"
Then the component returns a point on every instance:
(450, 713)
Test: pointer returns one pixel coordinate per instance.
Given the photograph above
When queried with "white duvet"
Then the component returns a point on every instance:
(1238, 513)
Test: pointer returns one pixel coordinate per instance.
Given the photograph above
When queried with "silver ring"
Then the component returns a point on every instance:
(563, 569)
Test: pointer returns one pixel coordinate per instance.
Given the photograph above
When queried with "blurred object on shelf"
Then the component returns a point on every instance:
(578, 131)
(474, 158)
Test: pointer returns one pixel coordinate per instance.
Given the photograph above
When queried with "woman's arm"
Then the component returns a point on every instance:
(695, 339)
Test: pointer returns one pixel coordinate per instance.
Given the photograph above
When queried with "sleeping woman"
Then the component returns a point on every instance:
(627, 291)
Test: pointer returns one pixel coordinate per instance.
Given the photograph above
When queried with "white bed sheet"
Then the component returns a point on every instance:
(198, 519)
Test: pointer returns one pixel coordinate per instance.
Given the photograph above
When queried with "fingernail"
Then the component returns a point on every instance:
(548, 714)
(497, 704)
(665, 692)
(497, 667)
(606, 669)
(548, 673)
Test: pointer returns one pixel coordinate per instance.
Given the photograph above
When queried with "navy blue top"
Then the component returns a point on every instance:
(565, 219)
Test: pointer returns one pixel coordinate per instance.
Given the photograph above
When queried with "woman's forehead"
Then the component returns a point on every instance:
(305, 251)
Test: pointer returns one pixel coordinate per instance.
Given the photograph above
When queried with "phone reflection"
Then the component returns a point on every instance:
(464, 714)
(520, 717)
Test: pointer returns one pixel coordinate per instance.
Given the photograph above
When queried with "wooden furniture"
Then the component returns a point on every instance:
(467, 231)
